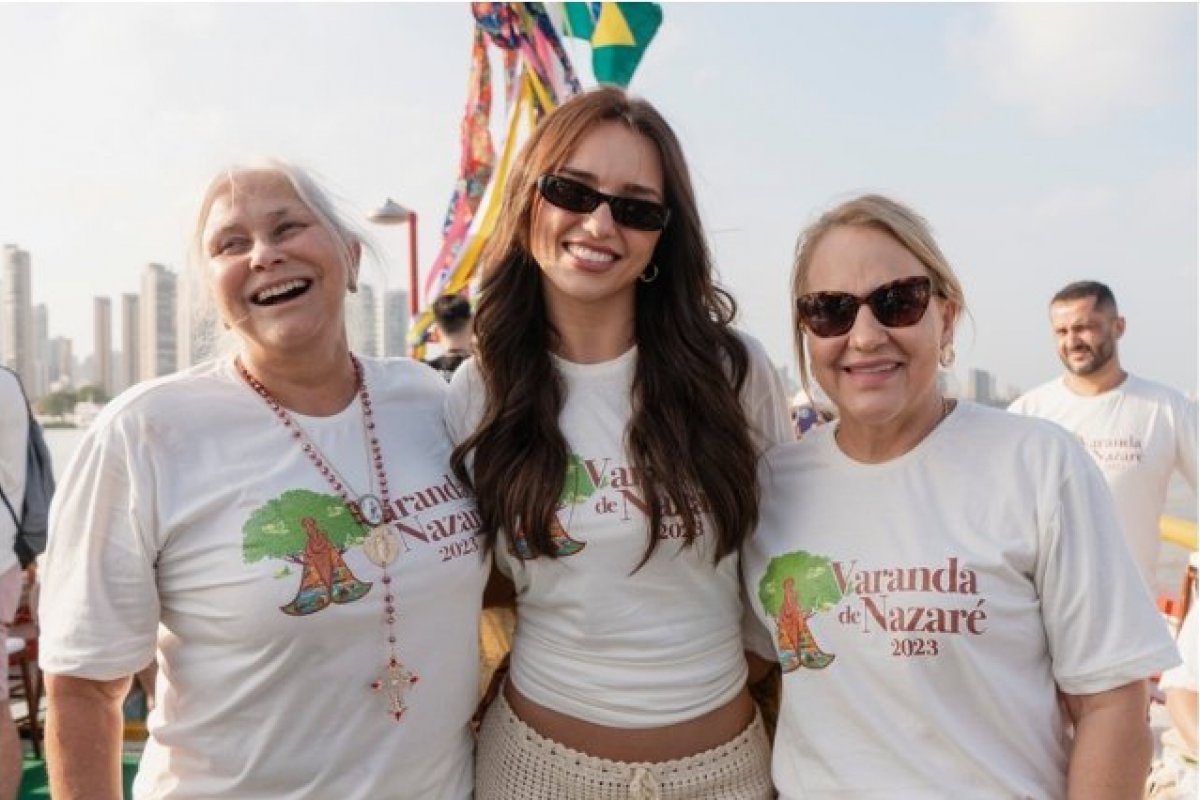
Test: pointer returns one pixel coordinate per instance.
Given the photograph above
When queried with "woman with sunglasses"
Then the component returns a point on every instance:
(933, 576)
(611, 426)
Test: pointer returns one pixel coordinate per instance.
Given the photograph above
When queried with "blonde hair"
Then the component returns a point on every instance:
(897, 220)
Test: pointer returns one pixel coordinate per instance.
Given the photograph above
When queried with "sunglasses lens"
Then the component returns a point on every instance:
(578, 198)
(900, 304)
(641, 215)
(568, 195)
(895, 305)
(828, 313)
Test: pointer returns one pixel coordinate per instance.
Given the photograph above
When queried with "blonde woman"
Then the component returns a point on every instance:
(933, 576)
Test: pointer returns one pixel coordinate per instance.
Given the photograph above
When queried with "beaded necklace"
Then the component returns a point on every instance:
(382, 545)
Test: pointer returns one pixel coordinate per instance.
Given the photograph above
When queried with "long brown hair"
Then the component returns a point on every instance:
(688, 436)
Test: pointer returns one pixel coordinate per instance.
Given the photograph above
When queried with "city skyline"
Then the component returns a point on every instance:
(1045, 143)
(162, 330)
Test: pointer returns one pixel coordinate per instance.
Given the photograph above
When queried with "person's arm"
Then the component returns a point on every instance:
(1181, 705)
(83, 737)
(1113, 746)
(499, 591)
(1178, 684)
(758, 667)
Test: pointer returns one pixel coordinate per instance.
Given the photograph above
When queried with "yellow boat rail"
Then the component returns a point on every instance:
(1178, 531)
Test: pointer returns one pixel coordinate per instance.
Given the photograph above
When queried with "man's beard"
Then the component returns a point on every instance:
(1101, 355)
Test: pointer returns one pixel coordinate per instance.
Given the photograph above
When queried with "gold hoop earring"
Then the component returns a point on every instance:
(946, 356)
(649, 274)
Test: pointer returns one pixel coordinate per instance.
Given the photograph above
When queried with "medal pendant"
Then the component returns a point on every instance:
(382, 546)
(371, 509)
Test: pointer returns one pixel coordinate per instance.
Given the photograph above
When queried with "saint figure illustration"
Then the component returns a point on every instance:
(794, 640)
(312, 531)
(326, 578)
(796, 587)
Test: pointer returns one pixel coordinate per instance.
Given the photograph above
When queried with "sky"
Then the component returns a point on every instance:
(1044, 143)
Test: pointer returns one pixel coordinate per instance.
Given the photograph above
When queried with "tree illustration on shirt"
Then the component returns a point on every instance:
(795, 587)
(311, 530)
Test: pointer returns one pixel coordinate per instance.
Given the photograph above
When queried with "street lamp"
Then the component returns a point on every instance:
(392, 213)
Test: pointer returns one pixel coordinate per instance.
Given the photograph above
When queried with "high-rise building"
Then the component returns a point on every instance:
(119, 373)
(16, 312)
(84, 369)
(60, 364)
(102, 375)
(196, 334)
(362, 314)
(41, 350)
(131, 328)
(157, 312)
(393, 324)
(980, 386)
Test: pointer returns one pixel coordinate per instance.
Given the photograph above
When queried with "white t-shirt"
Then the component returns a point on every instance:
(925, 610)
(1139, 433)
(594, 639)
(14, 439)
(179, 530)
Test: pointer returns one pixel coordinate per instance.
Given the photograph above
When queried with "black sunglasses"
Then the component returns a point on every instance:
(569, 195)
(898, 304)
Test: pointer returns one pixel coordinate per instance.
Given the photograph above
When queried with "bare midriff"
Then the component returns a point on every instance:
(665, 743)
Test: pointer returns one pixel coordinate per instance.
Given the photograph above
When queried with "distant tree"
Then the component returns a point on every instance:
(92, 394)
(56, 404)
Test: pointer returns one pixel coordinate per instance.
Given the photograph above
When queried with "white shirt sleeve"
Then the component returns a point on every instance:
(464, 402)
(99, 606)
(1094, 602)
(764, 399)
(755, 636)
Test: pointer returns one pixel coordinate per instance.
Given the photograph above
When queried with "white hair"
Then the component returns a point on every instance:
(211, 338)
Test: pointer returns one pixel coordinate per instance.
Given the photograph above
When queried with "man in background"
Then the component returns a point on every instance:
(1139, 432)
(452, 313)
(14, 436)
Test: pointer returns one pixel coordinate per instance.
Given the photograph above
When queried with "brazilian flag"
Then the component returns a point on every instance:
(619, 34)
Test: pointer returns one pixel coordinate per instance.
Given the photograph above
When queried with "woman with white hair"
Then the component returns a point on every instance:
(279, 529)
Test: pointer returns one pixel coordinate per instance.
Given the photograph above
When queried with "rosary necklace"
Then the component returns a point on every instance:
(382, 545)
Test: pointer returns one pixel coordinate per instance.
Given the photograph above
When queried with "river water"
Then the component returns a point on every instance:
(1180, 503)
